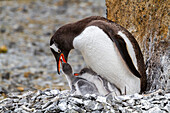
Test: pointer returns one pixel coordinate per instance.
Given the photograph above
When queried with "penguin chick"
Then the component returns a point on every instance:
(78, 85)
(88, 82)
(104, 86)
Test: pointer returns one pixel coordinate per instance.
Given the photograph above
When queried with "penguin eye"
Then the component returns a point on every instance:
(59, 51)
(82, 72)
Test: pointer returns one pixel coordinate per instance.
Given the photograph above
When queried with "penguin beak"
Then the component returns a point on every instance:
(60, 57)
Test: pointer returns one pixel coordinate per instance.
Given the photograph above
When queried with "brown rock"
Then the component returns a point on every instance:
(144, 19)
(27, 74)
(20, 89)
(148, 21)
(3, 49)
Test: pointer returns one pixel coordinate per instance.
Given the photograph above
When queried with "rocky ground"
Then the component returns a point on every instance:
(54, 101)
(28, 78)
(26, 29)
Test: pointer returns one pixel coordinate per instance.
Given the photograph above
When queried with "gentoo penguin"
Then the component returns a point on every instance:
(108, 49)
(88, 82)
(78, 85)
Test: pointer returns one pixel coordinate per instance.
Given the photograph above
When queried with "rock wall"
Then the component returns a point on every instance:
(148, 21)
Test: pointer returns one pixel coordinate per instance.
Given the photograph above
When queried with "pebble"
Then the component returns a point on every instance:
(2, 90)
(155, 110)
(2, 30)
(62, 105)
(18, 28)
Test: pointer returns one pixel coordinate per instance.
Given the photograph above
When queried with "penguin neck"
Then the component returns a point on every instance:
(69, 79)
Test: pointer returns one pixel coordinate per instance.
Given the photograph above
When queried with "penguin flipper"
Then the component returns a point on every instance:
(121, 45)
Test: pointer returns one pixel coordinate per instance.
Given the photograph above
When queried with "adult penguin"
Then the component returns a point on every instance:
(108, 49)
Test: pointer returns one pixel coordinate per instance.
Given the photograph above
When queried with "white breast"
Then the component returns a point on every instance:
(102, 55)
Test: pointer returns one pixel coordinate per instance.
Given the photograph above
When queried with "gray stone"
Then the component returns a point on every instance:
(155, 110)
(167, 107)
(93, 105)
(62, 105)
(131, 102)
(18, 110)
(72, 111)
(18, 28)
(54, 92)
(96, 112)
(75, 100)
(46, 105)
(3, 90)
(3, 30)
(5, 75)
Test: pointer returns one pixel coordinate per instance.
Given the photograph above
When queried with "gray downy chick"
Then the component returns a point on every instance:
(78, 85)
(103, 86)
(88, 82)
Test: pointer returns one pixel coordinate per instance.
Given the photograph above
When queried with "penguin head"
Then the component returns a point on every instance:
(60, 51)
(62, 41)
(87, 70)
(67, 69)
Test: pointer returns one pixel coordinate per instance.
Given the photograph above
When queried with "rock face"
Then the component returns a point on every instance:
(148, 21)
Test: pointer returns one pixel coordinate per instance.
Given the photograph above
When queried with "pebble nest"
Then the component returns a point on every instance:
(52, 101)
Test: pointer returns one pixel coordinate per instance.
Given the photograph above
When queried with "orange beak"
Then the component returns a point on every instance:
(61, 58)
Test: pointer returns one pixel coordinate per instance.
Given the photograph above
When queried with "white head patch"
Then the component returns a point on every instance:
(53, 46)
